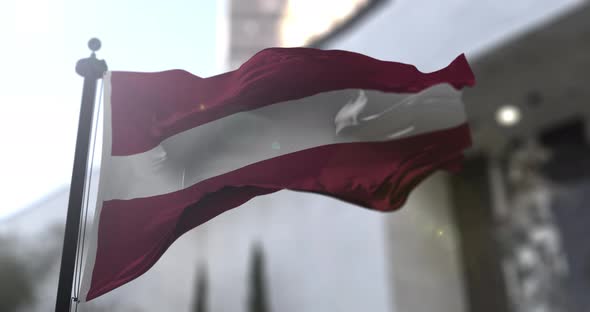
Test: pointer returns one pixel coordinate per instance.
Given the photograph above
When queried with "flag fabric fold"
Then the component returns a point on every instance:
(179, 150)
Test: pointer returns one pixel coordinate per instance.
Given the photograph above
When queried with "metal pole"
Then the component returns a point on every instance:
(91, 69)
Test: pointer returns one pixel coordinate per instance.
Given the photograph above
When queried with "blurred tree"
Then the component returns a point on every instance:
(24, 264)
(16, 288)
(257, 298)
(200, 302)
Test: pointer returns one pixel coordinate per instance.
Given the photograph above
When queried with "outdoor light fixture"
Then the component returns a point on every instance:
(508, 115)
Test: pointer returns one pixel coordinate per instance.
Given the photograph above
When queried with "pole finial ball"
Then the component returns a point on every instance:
(94, 44)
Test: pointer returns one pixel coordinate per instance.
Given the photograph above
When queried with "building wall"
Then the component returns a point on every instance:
(253, 26)
(424, 251)
(321, 255)
(430, 33)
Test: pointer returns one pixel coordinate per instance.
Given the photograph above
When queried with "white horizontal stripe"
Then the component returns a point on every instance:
(245, 138)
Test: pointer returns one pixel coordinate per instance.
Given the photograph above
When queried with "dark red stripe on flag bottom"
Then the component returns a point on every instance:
(133, 234)
(150, 107)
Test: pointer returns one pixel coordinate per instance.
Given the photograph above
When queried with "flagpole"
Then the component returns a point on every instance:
(91, 69)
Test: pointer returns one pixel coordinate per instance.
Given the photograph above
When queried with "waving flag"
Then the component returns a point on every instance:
(179, 150)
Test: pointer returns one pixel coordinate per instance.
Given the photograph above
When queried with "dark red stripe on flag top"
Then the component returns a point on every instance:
(150, 107)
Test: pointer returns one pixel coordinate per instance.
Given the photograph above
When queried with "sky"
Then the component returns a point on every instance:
(40, 43)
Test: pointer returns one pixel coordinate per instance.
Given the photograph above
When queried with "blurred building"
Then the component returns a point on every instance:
(507, 234)
(253, 24)
(257, 24)
(447, 250)
(530, 119)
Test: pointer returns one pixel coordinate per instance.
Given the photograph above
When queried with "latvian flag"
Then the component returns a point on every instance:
(179, 150)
